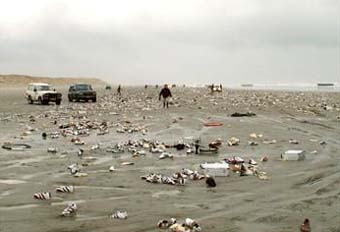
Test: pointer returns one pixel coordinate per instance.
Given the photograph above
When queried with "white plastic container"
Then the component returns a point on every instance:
(216, 169)
(293, 155)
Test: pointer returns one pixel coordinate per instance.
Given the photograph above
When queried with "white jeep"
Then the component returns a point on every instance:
(42, 93)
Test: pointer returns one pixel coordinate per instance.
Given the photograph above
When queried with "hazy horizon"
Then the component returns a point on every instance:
(194, 41)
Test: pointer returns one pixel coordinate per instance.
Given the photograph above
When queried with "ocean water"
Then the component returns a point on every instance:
(293, 87)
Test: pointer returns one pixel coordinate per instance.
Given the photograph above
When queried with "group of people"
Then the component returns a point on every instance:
(165, 94)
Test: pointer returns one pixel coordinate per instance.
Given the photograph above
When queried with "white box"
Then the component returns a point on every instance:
(215, 169)
(294, 155)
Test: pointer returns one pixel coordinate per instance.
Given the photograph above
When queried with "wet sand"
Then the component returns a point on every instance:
(295, 191)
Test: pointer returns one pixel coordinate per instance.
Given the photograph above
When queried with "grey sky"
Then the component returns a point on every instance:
(175, 41)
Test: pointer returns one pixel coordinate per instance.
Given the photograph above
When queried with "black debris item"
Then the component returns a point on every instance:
(248, 114)
(44, 135)
(210, 182)
(179, 146)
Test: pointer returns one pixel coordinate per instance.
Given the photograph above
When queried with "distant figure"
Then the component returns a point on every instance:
(146, 86)
(221, 87)
(166, 94)
(119, 90)
(212, 88)
(305, 227)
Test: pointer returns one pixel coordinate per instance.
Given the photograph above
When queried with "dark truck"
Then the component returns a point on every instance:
(79, 92)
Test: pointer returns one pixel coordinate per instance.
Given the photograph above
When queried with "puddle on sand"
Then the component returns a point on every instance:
(101, 188)
(88, 218)
(166, 193)
(15, 207)
(12, 182)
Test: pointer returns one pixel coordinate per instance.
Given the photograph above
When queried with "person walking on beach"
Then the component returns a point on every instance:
(166, 94)
(119, 90)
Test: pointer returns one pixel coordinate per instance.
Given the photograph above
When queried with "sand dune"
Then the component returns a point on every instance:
(14, 80)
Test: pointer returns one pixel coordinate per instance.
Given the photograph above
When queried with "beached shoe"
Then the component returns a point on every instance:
(70, 210)
(233, 141)
(73, 168)
(252, 162)
(210, 182)
(65, 189)
(192, 224)
(235, 160)
(165, 155)
(197, 176)
(178, 228)
(181, 181)
(42, 196)
(120, 215)
(168, 180)
(305, 227)
(246, 171)
(164, 224)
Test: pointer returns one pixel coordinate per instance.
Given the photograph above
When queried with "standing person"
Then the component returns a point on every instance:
(119, 90)
(166, 94)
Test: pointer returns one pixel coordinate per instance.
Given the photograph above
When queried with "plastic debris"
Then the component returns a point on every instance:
(42, 196)
(65, 189)
(70, 210)
(120, 215)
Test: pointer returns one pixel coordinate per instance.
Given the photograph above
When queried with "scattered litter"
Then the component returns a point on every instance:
(127, 163)
(212, 124)
(233, 141)
(52, 150)
(248, 114)
(216, 169)
(165, 155)
(165, 224)
(15, 146)
(70, 210)
(305, 226)
(120, 215)
(65, 189)
(295, 155)
(42, 196)
(210, 182)
(80, 174)
(293, 141)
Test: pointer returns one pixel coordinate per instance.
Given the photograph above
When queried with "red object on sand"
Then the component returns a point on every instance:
(213, 124)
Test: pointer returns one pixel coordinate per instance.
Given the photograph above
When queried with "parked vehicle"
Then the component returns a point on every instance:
(42, 93)
(79, 92)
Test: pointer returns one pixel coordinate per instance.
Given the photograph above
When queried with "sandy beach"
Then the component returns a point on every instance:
(295, 190)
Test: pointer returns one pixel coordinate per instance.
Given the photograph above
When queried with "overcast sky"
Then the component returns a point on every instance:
(173, 41)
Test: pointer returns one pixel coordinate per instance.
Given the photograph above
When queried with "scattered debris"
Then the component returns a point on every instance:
(210, 182)
(120, 215)
(42, 196)
(294, 155)
(233, 141)
(65, 189)
(15, 146)
(248, 114)
(70, 210)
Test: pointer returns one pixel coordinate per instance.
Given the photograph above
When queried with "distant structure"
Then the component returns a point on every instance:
(247, 85)
(325, 85)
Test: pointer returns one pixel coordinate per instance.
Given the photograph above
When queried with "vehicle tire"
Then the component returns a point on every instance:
(94, 99)
(30, 101)
(58, 102)
(70, 99)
